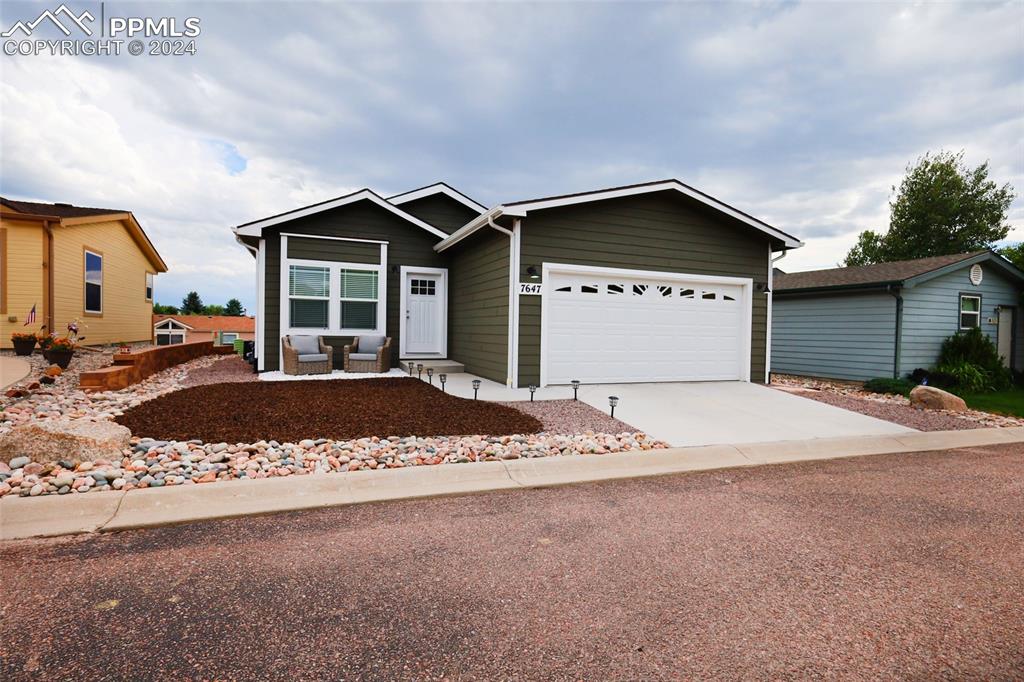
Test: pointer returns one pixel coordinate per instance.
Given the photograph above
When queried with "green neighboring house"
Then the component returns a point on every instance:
(888, 319)
(650, 282)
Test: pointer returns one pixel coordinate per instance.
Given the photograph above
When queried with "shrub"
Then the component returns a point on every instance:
(888, 385)
(972, 360)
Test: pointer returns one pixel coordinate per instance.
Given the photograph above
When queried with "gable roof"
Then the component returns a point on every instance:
(69, 216)
(522, 208)
(436, 188)
(211, 323)
(907, 273)
(255, 228)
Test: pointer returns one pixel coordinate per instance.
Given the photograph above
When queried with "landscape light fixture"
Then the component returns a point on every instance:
(419, 370)
(443, 378)
(532, 272)
(411, 368)
(430, 375)
(575, 388)
(613, 400)
(476, 387)
(533, 388)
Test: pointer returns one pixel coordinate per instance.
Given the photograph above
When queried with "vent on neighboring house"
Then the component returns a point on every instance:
(976, 274)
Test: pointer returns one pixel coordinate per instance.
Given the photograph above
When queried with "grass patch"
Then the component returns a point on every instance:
(1009, 402)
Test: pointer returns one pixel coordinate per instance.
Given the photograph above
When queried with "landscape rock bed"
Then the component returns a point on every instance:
(894, 408)
(151, 463)
(340, 410)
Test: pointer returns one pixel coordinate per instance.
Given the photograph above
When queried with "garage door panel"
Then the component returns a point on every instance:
(611, 328)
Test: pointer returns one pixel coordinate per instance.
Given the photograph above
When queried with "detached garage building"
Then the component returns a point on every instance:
(649, 282)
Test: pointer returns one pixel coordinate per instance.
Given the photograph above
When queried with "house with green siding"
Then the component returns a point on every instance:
(650, 282)
(888, 319)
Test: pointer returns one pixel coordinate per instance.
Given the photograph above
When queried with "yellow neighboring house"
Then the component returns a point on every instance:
(70, 262)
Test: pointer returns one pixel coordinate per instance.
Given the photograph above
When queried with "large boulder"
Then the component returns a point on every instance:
(52, 439)
(932, 398)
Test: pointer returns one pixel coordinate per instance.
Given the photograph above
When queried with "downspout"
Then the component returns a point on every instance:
(513, 274)
(771, 302)
(895, 291)
(48, 298)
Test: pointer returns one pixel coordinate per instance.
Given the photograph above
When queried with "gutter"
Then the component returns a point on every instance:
(896, 292)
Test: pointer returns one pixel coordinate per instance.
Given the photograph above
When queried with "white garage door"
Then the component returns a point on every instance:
(603, 327)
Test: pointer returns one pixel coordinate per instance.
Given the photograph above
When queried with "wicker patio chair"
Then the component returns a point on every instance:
(306, 355)
(368, 354)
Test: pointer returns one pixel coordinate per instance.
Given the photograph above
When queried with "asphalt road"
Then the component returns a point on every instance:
(894, 566)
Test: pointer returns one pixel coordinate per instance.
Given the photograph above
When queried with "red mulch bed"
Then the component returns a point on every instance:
(340, 410)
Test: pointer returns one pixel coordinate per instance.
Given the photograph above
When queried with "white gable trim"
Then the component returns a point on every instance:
(436, 188)
(169, 322)
(255, 229)
(520, 210)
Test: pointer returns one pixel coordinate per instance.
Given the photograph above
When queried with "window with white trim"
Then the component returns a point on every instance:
(309, 293)
(970, 311)
(149, 286)
(93, 282)
(358, 298)
(227, 338)
(169, 333)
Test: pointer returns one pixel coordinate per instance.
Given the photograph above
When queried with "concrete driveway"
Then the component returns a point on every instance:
(703, 413)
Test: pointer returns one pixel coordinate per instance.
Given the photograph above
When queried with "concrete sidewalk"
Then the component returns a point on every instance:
(51, 515)
(12, 370)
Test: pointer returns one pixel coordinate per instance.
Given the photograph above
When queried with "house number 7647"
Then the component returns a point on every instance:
(530, 289)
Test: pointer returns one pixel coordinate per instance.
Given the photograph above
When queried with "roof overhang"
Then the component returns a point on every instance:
(255, 228)
(521, 209)
(436, 188)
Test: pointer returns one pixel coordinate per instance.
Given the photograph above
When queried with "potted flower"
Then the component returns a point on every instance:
(23, 342)
(60, 352)
(44, 340)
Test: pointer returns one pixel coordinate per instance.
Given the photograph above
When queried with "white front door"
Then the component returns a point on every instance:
(1005, 335)
(424, 304)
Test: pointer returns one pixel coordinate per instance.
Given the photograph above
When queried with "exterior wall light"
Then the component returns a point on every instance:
(613, 400)
(532, 272)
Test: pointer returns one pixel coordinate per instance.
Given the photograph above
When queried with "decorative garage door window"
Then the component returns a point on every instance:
(600, 328)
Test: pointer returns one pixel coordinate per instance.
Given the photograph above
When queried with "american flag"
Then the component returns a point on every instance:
(31, 319)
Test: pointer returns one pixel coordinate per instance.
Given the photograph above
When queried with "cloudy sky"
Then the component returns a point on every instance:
(802, 114)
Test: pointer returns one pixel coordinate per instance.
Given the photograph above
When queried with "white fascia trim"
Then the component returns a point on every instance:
(337, 239)
(171, 321)
(256, 229)
(768, 321)
(747, 284)
(261, 296)
(402, 301)
(436, 188)
(523, 209)
(469, 228)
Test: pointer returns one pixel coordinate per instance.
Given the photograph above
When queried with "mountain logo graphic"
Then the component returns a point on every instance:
(69, 16)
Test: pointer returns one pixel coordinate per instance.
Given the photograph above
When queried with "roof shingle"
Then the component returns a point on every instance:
(866, 275)
(59, 210)
(212, 323)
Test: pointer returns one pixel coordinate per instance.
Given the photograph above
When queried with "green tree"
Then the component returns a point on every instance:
(192, 304)
(1014, 253)
(234, 308)
(941, 207)
(213, 309)
(160, 309)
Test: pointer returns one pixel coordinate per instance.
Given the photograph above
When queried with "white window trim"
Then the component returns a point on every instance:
(746, 283)
(85, 281)
(334, 327)
(150, 285)
(406, 270)
(223, 334)
(961, 311)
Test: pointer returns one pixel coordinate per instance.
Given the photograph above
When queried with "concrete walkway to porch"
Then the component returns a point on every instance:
(702, 413)
(12, 370)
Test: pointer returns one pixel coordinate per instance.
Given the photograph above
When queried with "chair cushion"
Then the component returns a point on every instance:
(370, 344)
(313, 357)
(362, 356)
(305, 345)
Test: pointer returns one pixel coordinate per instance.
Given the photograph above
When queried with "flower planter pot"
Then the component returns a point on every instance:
(23, 346)
(61, 358)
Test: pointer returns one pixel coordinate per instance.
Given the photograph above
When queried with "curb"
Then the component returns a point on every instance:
(53, 515)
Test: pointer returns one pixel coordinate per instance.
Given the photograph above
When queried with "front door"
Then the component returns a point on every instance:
(424, 327)
(1005, 335)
